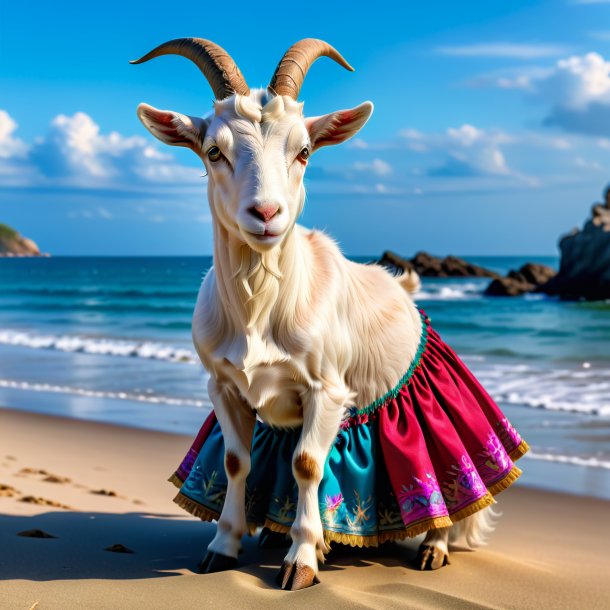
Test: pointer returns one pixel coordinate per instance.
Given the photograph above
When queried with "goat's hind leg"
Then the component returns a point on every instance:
(433, 552)
(236, 420)
(467, 534)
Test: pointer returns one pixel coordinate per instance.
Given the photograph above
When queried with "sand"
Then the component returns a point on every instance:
(549, 550)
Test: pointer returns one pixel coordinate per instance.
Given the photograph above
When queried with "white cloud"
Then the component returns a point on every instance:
(600, 35)
(92, 213)
(74, 153)
(358, 143)
(379, 167)
(466, 135)
(576, 91)
(505, 50)
(9, 145)
(465, 151)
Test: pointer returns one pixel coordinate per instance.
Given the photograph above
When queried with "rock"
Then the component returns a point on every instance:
(118, 548)
(508, 287)
(13, 244)
(427, 265)
(392, 261)
(529, 278)
(537, 274)
(584, 272)
(35, 533)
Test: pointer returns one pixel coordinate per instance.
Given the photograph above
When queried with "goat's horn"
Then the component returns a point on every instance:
(214, 62)
(290, 73)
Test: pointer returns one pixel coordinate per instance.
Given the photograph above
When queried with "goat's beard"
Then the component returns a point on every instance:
(257, 279)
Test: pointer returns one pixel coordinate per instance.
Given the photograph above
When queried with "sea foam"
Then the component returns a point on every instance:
(102, 346)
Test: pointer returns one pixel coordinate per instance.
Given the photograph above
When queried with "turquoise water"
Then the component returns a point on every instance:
(108, 339)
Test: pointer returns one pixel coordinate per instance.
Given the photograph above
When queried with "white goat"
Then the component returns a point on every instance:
(289, 330)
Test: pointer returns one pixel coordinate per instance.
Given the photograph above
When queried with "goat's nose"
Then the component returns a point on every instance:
(264, 211)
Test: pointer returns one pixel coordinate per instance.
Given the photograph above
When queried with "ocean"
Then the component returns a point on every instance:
(109, 339)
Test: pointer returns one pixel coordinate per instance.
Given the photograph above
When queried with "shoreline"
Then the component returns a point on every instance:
(549, 547)
(555, 473)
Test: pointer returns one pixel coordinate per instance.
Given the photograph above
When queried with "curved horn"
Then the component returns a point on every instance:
(214, 62)
(290, 73)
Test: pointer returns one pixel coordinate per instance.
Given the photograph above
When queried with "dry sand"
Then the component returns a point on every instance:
(549, 550)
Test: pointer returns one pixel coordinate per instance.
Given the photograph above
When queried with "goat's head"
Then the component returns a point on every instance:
(256, 144)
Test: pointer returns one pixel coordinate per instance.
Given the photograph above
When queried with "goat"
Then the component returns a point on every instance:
(291, 332)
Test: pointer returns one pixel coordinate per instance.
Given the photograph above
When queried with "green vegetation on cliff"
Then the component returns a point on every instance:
(13, 244)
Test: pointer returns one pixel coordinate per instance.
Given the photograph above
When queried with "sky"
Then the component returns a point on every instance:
(490, 136)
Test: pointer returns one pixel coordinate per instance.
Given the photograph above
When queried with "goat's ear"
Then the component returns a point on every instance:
(339, 126)
(172, 127)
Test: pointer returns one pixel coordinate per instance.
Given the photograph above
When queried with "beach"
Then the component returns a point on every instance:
(548, 551)
(101, 394)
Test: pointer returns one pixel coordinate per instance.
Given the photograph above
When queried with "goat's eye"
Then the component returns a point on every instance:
(304, 154)
(214, 153)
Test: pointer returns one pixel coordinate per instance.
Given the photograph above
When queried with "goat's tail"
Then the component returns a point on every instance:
(409, 280)
(473, 531)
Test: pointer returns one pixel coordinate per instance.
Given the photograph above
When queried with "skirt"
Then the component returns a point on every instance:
(433, 450)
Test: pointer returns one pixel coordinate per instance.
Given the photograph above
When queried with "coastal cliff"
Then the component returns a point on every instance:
(14, 244)
(584, 272)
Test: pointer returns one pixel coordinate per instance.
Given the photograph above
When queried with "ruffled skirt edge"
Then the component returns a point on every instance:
(415, 529)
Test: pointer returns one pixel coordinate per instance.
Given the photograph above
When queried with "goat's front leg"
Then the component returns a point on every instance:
(236, 420)
(321, 418)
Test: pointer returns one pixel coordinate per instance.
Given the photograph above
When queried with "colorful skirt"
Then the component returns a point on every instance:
(433, 450)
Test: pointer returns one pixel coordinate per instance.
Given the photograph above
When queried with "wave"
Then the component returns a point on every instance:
(584, 388)
(93, 305)
(91, 291)
(133, 396)
(105, 347)
(549, 403)
(589, 462)
(438, 292)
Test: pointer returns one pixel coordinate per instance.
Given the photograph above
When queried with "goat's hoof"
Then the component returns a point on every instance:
(293, 577)
(215, 562)
(430, 557)
(268, 539)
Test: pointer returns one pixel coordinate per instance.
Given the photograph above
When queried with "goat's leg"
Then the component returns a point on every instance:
(236, 420)
(433, 553)
(321, 419)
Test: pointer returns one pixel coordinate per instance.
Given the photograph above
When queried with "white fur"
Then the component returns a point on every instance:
(289, 329)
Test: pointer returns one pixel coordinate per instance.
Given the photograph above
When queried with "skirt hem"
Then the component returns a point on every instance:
(356, 540)
(519, 451)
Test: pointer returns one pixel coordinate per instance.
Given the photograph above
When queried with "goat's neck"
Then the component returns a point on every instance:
(249, 283)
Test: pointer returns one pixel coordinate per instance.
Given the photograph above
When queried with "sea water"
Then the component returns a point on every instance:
(109, 339)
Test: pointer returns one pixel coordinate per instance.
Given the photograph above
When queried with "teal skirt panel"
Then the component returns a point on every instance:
(355, 494)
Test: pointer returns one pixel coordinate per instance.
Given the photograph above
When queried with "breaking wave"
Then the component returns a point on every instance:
(107, 347)
(134, 396)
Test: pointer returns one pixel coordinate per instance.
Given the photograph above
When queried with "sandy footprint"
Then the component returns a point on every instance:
(7, 491)
(43, 502)
(105, 492)
(53, 478)
(25, 471)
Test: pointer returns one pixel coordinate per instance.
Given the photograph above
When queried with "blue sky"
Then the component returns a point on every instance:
(491, 131)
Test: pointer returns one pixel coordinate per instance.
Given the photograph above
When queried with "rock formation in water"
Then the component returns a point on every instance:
(531, 277)
(13, 244)
(584, 271)
(427, 265)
